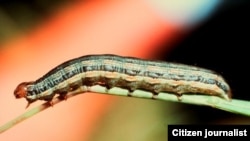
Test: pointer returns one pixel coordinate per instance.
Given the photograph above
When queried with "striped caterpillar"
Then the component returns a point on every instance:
(124, 72)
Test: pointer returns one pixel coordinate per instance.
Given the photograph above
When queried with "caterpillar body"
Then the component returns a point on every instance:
(124, 72)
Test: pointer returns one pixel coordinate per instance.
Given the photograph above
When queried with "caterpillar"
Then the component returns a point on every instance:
(124, 72)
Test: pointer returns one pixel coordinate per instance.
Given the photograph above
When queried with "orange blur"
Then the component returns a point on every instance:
(128, 28)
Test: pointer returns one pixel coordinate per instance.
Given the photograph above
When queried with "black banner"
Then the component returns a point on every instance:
(208, 132)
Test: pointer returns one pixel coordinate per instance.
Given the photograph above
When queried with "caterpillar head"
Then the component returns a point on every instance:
(22, 91)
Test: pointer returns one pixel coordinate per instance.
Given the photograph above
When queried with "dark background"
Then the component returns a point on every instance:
(18, 16)
(221, 44)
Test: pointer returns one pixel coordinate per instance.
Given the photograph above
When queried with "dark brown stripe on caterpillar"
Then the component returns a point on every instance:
(125, 72)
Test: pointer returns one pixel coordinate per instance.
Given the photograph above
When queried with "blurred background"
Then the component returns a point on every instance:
(37, 35)
(18, 17)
